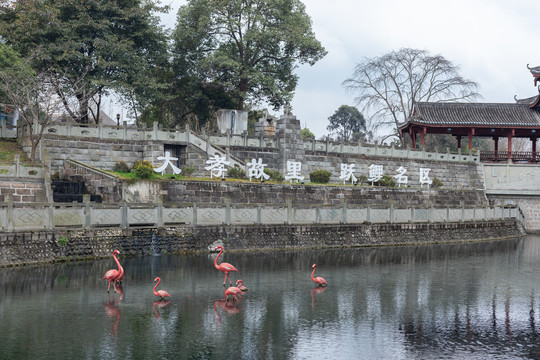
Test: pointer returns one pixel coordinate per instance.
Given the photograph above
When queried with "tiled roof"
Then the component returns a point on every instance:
(475, 114)
(535, 70)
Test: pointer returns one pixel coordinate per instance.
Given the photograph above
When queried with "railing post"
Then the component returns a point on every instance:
(124, 211)
(227, 210)
(368, 214)
(317, 214)
(289, 211)
(9, 199)
(87, 211)
(344, 212)
(462, 211)
(155, 131)
(194, 214)
(259, 214)
(391, 210)
(17, 165)
(124, 130)
(447, 214)
(50, 215)
(160, 222)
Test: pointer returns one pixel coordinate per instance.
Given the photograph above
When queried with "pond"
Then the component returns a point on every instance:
(472, 301)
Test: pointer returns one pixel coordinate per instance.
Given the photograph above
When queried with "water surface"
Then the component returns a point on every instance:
(472, 301)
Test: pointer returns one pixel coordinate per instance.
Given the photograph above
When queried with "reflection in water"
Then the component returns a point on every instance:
(316, 290)
(112, 310)
(159, 304)
(471, 301)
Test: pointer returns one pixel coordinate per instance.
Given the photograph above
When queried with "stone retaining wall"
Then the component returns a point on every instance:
(18, 248)
(256, 193)
(97, 182)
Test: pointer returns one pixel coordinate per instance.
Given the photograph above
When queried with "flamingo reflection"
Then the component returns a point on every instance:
(112, 310)
(224, 305)
(159, 304)
(316, 290)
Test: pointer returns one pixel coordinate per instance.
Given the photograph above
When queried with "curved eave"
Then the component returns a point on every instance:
(469, 125)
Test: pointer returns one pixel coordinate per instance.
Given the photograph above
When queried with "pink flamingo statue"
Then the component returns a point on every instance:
(160, 293)
(113, 274)
(234, 292)
(224, 267)
(239, 284)
(121, 275)
(319, 280)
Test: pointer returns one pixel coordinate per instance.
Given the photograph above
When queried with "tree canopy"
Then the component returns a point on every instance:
(102, 44)
(246, 49)
(347, 123)
(388, 86)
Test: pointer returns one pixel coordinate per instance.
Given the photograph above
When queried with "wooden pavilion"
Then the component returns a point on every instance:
(496, 120)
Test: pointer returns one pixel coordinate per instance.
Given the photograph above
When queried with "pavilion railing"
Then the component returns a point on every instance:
(515, 156)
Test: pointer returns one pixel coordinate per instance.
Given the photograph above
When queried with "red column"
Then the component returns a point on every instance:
(422, 136)
(413, 137)
(533, 139)
(471, 133)
(458, 141)
(496, 143)
(510, 134)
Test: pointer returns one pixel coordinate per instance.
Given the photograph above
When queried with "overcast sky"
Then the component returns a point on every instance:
(492, 41)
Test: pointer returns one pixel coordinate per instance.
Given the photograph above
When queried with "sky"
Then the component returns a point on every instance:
(491, 41)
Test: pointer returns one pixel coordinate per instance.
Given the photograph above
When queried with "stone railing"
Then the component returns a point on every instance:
(18, 170)
(215, 143)
(17, 217)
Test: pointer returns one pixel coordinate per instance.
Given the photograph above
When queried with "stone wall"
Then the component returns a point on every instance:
(98, 153)
(530, 206)
(256, 193)
(97, 182)
(18, 248)
(22, 190)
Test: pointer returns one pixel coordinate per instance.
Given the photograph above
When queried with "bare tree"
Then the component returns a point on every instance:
(389, 85)
(35, 96)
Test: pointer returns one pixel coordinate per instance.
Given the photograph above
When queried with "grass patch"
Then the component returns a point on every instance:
(8, 149)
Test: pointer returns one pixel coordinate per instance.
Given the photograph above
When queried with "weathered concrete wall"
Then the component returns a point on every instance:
(256, 193)
(22, 190)
(19, 248)
(529, 205)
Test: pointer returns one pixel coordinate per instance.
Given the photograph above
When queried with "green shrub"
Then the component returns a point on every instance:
(236, 172)
(320, 176)
(274, 175)
(143, 169)
(362, 179)
(437, 183)
(188, 171)
(62, 240)
(121, 167)
(387, 180)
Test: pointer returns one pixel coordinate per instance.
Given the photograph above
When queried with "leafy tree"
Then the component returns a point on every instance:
(347, 123)
(108, 44)
(246, 49)
(307, 135)
(389, 85)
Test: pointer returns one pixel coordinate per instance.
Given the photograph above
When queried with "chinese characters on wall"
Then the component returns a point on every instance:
(217, 165)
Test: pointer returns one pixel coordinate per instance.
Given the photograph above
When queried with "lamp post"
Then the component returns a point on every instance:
(117, 119)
